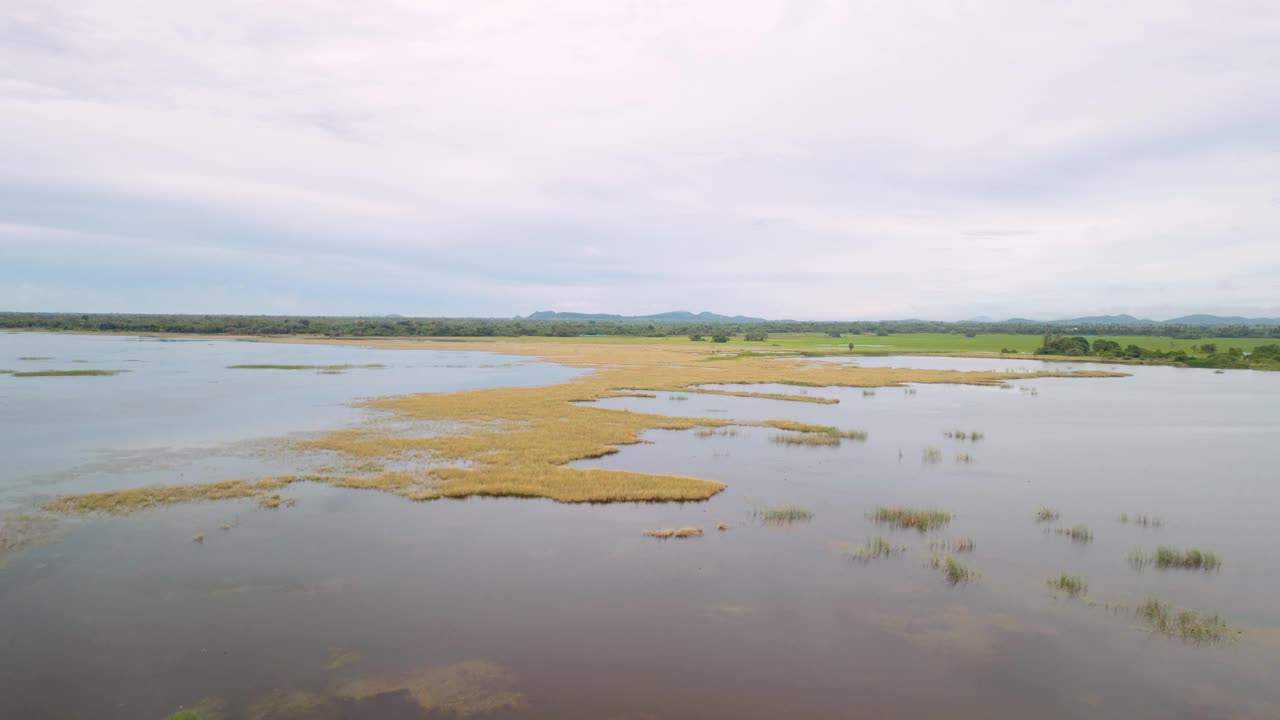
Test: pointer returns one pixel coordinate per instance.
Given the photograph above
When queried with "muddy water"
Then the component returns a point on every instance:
(586, 618)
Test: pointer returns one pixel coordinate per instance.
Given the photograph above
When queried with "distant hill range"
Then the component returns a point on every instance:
(676, 316)
(1184, 320)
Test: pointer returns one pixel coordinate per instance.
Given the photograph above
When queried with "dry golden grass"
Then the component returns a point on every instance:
(519, 441)
(767, 396)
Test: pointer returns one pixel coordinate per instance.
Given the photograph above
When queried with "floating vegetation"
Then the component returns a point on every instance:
(874, 547)
(722, 526)
(291, 705)
(1146, 521)
(198, 537)
(931, 455)
(1167, 557)
(1072, 585)
(1078, 533)
(274, 501)
(964, 458)
(962, 435)
(905, 517)
(19, 532)
(1190, 625)
(1046, 514)
(328, 369)
(68, 373)
(667, 533)
(712, 432)
(963, 545)
(464, 690)
(783, 514)
(813, 439)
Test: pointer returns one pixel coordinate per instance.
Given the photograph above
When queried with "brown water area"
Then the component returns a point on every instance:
(441, 596)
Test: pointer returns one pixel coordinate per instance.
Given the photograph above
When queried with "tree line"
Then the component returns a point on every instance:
(518, 327)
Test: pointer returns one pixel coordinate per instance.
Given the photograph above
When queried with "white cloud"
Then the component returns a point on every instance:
(799, 159)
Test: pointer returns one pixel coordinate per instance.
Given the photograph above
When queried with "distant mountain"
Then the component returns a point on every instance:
(1105, 320)
(1200, 319)
(676, 316)
(1220, 320)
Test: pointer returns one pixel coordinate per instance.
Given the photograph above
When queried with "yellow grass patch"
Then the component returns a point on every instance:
(666, 533)
(520, 441)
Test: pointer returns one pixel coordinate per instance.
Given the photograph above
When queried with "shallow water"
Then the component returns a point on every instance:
(128, 618)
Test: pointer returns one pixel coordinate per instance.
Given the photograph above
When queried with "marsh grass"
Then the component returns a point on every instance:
(962, 435)
(782, 515)
(962, 545)
(1141, 520)
(868, 393)
(521, 441)
(68, 373)
(812, 439)
(954, 570)
(678, 398)
(1077, 533)
(873, 548)
(1167, 557)
(1072, 585)
(35, 357)
(22, 531)
(722, 526)
(964, 458)
(922, 520)
(1189, 625)
(713, 432)
(273, 502)
(1046, 514)
(769, 396)
(931, 455)
(668, 533)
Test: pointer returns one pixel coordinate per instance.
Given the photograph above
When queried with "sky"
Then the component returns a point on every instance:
(809, 160)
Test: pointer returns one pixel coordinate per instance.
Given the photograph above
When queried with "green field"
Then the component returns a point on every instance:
(898, 343)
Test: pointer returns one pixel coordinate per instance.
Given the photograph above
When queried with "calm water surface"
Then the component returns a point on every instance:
(127, 618)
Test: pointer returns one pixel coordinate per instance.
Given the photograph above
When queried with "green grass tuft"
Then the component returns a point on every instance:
(1188, 625)
(1072, 585)
(1046, 514)
(1167, 557)
(783, 514)
(874, 547)
(905, 517)
(1079, 533)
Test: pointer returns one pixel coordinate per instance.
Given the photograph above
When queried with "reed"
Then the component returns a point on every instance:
(1167, 557)
(783, 514)
(1046, 514)
(1077, 533)
(922, 520)
(873, 548)
(1072, 585)
(1189, 625)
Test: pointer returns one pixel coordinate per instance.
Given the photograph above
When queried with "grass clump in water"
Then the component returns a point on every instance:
(1072, 585)
(783, 515)
(874, 547)
(668, 533)
(68, 373)
(712, 432)
(964, 458)
(810, 439)
(1189, 625)
(1078, 533)
(1141, 520)
(963, 545)
(931, 455)
(962, 435)
(905, 517)
(1046, 514)
(955, 571)
(1167, 557)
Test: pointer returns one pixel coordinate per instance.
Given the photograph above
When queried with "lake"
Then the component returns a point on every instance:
(362, 605)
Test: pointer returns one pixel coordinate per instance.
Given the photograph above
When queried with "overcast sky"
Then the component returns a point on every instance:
(783, 159)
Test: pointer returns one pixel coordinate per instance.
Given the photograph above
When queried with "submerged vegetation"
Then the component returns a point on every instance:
(905, 517)
(318, 368)
(21, 531)
(1146, 521)
(1072, 585)
(1161, 617)
(666, 533)
(1167, 557)
(1077, 533)
(782, 514)
(874, 547)
(67, 373)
